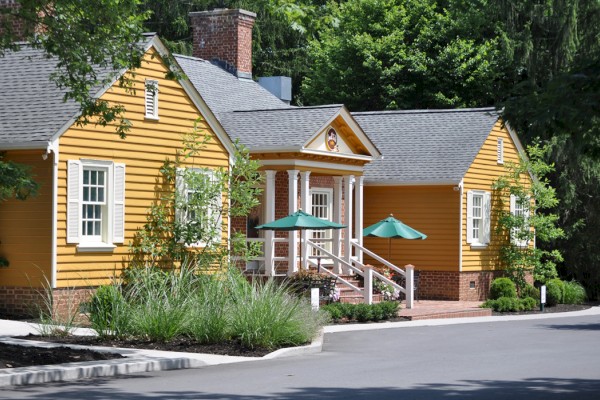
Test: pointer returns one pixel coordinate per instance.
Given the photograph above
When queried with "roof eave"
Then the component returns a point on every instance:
(376, 182)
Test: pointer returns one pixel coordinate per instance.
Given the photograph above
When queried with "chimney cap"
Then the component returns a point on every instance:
(222, 11)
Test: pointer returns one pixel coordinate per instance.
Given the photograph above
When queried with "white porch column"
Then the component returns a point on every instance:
(358, 215)
(410, 285)
(270, 216)
(306, 205)
(348, 186)
(293, 207)
(337, 217)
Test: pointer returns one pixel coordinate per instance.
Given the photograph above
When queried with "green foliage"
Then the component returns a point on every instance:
(530, 291)
(510, 304)
(185, 222)
(573, 293)
(162, 305)
(108, 311)
(92, 41)
(16, 180)
(362, 312)
(502, 287)
(517, 254)
(555, 291)
(399, 54)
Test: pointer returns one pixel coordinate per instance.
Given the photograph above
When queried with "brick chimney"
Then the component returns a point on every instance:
(17, 26)
(224, 37)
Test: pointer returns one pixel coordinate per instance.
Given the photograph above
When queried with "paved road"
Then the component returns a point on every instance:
(557, 358)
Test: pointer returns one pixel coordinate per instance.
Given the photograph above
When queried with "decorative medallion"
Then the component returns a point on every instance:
(331, 140)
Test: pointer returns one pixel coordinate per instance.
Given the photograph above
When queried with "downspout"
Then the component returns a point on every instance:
(53, 147)
(460, 227)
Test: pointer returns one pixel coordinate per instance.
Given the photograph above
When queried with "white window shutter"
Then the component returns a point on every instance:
(513, 204)
(469, 216)
(219, 216)
(119, 203)
(487, 216)
(74, 178)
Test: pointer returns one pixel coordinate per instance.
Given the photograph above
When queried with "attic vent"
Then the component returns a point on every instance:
(151, 99)
(500, 150)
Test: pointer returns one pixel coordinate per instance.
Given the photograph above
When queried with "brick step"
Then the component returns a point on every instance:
(356, 298)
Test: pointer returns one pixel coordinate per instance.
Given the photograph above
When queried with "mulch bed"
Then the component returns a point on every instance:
(14, 356)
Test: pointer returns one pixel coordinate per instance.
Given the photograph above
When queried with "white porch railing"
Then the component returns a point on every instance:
(408, 274)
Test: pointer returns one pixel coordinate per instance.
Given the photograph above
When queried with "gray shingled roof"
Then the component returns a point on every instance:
(31, 107)
(32, 110)
(425, 146)
(279, 128)
(224, 92)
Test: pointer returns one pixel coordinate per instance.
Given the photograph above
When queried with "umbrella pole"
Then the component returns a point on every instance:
(389, 249)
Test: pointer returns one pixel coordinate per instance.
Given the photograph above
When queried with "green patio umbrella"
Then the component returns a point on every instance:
(391, 228)
(300, 221)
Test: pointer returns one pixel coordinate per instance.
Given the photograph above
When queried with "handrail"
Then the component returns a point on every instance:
(345, 282)
(343, 262)
(382, 277)
(380, 259)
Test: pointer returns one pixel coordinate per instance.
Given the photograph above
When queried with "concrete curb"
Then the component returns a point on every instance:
(136, 361)
(454, 321)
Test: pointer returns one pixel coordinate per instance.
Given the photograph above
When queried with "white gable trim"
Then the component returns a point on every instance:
(351, 122)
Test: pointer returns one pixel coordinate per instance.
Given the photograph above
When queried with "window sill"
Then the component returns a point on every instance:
(477, 246)
(95, 248)
(151, 118)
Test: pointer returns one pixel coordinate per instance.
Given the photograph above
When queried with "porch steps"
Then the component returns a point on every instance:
(347, 295)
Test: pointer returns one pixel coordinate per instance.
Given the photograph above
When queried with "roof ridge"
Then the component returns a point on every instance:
(290, 108)
(426, 111)
(190, 57)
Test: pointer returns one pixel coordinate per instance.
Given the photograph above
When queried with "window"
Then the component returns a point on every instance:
(519, 207)
(151, 98)
(322, 208)
(96, 204)
(200, 202)
(478, 217)
(500, 150)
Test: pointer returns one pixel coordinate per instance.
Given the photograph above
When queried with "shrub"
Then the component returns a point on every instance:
(530, 291)
(554, 292)
(267, 316)
(502, 287)
(108, 311)
(573, 293)
(510, 304)
(363, 312)
(211, 311)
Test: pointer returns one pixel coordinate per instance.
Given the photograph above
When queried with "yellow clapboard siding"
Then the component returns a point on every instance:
(429, 209)
(484, 170)
(144, 151)
(26, 228)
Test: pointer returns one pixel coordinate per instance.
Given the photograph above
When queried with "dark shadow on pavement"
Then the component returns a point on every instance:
(575, 327)
(530, 389)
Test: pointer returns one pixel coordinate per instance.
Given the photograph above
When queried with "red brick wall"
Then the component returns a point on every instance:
(225, 35)
(27, 301)
(18, 26)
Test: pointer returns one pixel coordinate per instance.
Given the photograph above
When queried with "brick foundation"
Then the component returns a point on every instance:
(458, 286)
(27, 301)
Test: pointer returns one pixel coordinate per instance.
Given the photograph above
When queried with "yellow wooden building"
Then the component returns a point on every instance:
(436, 176)
(96, 188)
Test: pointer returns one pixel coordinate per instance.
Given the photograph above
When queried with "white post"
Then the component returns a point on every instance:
(293, 207)
(314, 298)
(348, 185)
(410, 284)
(270, 216)
(306, 204)
(358, 215)
(368, 286)
(337, 217)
